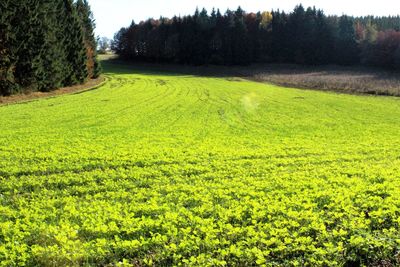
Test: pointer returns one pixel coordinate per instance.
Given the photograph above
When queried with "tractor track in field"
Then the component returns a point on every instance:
(169, 170)
(34, 96)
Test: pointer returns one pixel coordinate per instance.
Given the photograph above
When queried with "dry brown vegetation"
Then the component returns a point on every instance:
(29, 96)
(335, 78)
(354, 80)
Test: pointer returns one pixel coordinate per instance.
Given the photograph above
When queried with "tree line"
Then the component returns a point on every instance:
(304, 36)
(46, 44)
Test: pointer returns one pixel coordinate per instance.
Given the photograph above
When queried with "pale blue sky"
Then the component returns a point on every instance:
(111, 15)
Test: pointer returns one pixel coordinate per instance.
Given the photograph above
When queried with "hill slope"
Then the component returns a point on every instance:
(164, 169)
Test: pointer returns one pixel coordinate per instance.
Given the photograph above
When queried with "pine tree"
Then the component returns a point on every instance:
(254, 31)
(202, 35)
(118, 44)
(172, 41)
(298, 35)
(87, 22)
(304, 36)
(324, 40)
(279, 45)
(44, 49)
(310, 41)
(8, 83)
(347, 52)
(216, 40)
(227, 37)
(52, 52)
(76, 57)
(27, 32)
(240, 45)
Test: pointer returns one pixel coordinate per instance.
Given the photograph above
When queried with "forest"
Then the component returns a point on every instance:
(176, 164)
(304, 36)
(45, 45)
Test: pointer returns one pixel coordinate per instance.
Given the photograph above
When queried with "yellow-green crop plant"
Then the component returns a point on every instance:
(161, 169)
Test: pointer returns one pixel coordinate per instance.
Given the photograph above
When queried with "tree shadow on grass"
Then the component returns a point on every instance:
(343, 79)
(120, 67)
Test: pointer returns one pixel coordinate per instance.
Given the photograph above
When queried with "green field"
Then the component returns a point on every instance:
(164, 169)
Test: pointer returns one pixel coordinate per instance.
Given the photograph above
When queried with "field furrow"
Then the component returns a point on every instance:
(160, 169)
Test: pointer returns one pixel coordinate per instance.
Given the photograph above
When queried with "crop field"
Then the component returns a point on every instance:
(156, 169)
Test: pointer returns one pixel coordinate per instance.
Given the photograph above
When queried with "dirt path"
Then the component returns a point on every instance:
(91, 84)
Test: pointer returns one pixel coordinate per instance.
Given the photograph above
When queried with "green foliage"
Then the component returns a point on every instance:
(74, 45)
(347, 50)
(240, 51)
(304, 36)
(46, 47)
(87, 23)
(266, 19)
(7, 79)
(158, 169)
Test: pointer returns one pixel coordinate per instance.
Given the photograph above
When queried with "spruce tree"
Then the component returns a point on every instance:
(87, 22)
(324, 40)
(44, 48)
(8, 84)
(52, 53)
(216, 42)
(227, 37)
(27, 33)
(297, 33)
(347, 52)
(240, 42)
(76, 57)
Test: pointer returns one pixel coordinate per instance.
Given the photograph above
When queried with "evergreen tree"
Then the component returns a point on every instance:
(87, 22)
(279, 44)
(28, 35)
(367, 40)
(45, 48)
(240, 44)
(347, 52)
(76, 56)
(216, 39)
(49, 69)
(8, 83)
(203, 35)
(253, 22)
(297, 31)
(304, 36)
(323, 39)
(227, 37)
(172, 43)
(118, 44)
(265, 37)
